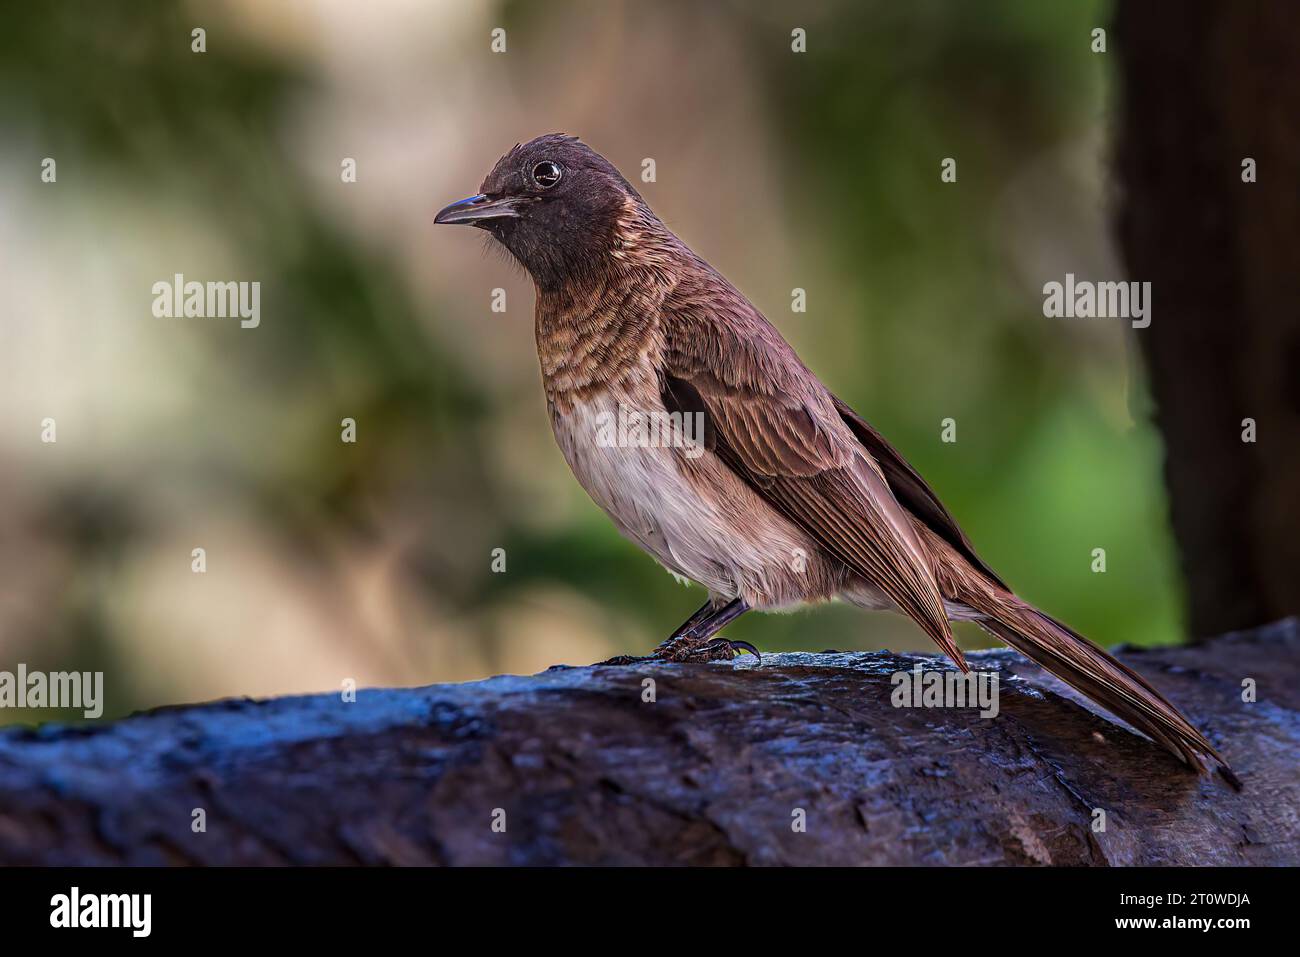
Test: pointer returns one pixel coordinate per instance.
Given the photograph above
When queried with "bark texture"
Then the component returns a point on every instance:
(1205, 85)
(716, 770)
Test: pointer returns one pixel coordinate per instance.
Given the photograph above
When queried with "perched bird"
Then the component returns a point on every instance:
(788, 496)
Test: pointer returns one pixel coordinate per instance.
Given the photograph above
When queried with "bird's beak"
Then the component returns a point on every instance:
(475, 209)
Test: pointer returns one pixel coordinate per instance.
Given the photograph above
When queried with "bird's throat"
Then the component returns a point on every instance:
(596, 332)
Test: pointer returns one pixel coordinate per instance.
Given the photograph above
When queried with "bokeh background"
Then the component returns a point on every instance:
(372, 561)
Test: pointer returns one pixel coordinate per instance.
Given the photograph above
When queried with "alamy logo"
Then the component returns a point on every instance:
(1083, 299)
(212, 300)
(638, 429)
(133, 911)
(55, 689)
(945, 689)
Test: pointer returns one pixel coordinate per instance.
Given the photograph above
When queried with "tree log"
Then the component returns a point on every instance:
(720, 768)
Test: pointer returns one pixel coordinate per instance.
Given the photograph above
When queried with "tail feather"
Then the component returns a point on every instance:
(1072, 658)
(1113, 685)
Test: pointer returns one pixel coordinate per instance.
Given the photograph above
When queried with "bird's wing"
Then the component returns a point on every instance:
(774, 424)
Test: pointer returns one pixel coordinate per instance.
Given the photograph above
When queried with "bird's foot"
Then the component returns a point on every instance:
(721, 649)
(686, 651)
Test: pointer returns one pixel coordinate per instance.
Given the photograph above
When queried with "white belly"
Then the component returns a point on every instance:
(731, 542)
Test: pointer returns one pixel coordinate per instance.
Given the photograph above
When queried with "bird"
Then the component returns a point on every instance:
(782, 496)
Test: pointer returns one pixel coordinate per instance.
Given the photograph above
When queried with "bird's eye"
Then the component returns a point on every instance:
(547, 173)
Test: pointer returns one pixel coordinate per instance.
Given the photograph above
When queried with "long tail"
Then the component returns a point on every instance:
(1076, 661)
(1116, 687)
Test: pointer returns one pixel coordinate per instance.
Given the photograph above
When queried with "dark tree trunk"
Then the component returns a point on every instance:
(1204, 85)
(716, 770)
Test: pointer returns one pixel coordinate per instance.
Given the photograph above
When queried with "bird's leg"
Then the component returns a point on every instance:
(694, 639)
(703, 614)
(659, 653)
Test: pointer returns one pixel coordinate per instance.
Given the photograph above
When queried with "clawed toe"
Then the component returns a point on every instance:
(732, 649)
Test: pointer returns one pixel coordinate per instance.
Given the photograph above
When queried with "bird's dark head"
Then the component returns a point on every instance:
(556, 204)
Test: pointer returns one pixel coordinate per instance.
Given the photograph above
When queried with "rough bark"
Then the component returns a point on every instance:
(711, 772)
(1204, 85)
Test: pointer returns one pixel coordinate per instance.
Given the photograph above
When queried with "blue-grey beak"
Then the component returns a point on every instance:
(475, 209)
